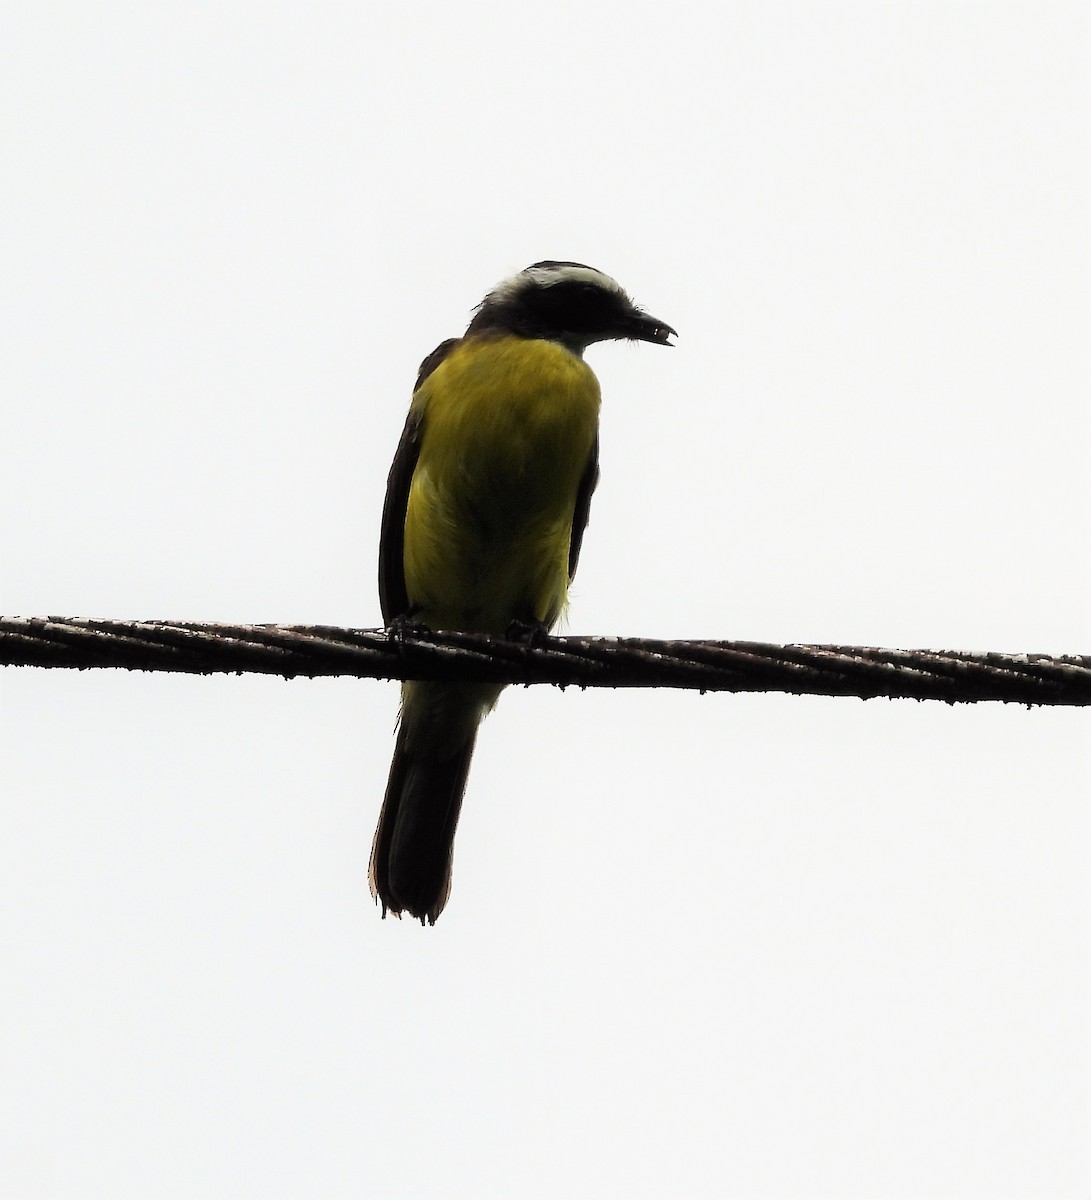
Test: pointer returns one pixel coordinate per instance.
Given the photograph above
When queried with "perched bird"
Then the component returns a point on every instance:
(486, 505)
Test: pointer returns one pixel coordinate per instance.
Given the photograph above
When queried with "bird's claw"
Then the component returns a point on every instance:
(403, 626)
(527, 633)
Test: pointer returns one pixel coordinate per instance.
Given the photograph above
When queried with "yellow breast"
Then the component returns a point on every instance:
(508, 427)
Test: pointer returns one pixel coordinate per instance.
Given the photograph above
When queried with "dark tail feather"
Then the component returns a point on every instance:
(411, 855)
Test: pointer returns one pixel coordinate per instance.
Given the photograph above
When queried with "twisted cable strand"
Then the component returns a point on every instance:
(318, 650)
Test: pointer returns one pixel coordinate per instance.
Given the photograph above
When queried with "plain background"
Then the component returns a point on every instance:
(754, 946)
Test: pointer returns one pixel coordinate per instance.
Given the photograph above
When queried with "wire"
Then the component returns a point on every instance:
(954, 676)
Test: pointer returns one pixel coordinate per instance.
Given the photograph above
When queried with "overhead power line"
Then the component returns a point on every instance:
(954, 676)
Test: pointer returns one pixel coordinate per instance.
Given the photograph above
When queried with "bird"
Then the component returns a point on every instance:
(486, 504)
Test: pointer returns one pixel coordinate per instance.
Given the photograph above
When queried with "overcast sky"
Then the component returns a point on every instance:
(746, 946)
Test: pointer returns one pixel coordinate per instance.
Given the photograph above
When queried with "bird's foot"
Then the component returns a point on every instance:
(403, 626)
(527, 633)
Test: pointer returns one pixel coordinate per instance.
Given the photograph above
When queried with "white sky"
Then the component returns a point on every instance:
(754, 946)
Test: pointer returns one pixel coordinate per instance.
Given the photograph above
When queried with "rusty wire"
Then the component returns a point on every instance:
(318, 650)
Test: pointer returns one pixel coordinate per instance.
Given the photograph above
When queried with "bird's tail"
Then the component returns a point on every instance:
(411, 854)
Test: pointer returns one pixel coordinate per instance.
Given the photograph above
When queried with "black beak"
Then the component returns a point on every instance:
(644, 328)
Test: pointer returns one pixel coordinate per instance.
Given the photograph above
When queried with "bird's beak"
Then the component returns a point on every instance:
(644, 328)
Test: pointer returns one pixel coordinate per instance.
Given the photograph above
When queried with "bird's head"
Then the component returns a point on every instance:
(569, 303)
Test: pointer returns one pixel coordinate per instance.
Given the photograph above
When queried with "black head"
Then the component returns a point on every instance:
(569, 303)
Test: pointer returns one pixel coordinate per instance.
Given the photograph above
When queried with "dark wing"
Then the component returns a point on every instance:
(588, 483)
(393, 599)
(392, 595)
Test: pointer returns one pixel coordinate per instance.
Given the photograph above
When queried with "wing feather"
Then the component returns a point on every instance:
(588, 483)
(393, 598)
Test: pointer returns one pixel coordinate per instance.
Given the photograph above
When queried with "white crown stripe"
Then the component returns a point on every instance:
(549, 276)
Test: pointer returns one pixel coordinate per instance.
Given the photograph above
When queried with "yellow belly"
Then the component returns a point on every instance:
(508, 426)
